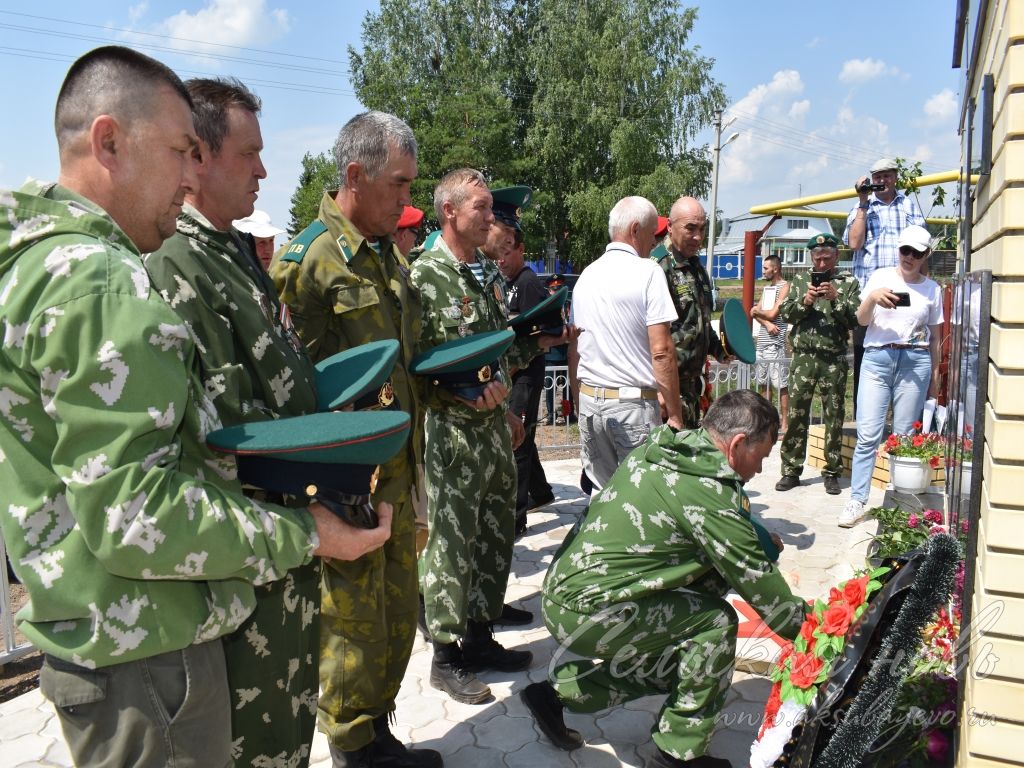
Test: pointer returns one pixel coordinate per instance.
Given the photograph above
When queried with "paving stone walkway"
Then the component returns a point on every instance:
(501, 733)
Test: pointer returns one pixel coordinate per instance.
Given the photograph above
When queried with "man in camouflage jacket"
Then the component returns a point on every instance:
(638, 588)
(347, 284)
(137, 547)
(820, 320)
(254, 368)
(470, 470)
(690, 287)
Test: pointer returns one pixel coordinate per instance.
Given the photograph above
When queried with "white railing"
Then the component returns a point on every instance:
(724, 378)
(10, 652)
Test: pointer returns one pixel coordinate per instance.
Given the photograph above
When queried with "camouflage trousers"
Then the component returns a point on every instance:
(690, 389)
(471, 498)
(272, 672)
(367, 625)
(681, 643)
(825, 372)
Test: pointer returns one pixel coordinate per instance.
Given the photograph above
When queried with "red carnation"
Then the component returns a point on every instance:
(917, 441)
(917, 425)
(837, 619)
(856, 591)
(806, 667)
(933, 462)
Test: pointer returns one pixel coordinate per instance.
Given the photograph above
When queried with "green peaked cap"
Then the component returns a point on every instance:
(359, 377)
(736, 336)
(509, 202)
(543, 318)
(465, 365)
(337, 450)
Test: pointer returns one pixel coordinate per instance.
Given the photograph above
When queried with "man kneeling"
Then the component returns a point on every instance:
(639, 587)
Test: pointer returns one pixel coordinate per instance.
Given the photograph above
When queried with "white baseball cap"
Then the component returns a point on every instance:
(916, 237)
(257, 225)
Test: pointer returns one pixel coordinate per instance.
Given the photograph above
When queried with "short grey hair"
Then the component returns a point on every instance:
(742, 410)
(452, 188)
(629, 211)
(369, 139)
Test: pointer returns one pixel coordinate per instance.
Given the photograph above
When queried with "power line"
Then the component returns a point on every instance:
(170, 37)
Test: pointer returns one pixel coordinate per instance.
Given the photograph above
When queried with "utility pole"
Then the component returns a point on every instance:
(713, 213)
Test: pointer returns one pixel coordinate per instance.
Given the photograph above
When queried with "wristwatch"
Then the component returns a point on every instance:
(864, 206)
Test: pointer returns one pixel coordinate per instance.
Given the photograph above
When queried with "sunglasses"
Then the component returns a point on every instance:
(906, 250)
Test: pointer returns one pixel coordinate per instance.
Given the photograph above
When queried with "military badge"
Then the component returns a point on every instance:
(386, 396)
(484, 374)
(467, 308)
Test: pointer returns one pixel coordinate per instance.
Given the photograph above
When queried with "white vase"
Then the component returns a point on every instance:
(909, 474)
(965, 477)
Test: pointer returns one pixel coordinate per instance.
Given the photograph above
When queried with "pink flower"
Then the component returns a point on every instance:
(933, 516)
(936, 529)
(913, 520)
(964, 527)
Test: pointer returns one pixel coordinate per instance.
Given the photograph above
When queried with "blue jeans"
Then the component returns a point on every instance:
(897, 376)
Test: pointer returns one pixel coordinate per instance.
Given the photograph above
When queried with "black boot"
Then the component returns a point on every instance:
(544, 705)
(512, 615)
(665, 760)
(389, 752)
(481, 651)
(449, 674)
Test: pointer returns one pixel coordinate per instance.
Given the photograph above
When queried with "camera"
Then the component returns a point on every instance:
(867, 186)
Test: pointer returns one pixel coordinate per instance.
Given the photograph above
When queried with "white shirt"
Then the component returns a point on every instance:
(615, 299)
(903, 325)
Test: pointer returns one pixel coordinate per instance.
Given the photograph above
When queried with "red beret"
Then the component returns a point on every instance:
(411, 218)
(662, 229)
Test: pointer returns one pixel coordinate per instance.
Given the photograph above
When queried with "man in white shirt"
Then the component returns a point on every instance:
(623, 363)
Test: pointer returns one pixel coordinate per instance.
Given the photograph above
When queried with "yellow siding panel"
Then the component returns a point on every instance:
(1006, 347)
(1008, 298)
(1004, 571)
(1003, 525)
(1004, 437)
(996, 740)
(1004, 392)
(1003, 256)
(997, 614)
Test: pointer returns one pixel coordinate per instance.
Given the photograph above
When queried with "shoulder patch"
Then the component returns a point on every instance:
(300, 243)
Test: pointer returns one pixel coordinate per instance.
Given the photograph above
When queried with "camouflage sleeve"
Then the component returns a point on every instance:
(731, 546)
(198, 302)
(150, 499)
(522, 352)
(793, 309)
(848, 301)
(299, 287)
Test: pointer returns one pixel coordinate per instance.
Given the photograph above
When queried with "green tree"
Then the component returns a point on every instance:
(586, 101)
(318, 175)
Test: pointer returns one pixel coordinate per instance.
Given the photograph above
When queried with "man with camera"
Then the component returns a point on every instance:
(821, 310)
(872, 229)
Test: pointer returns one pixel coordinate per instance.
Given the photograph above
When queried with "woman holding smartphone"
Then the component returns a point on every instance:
(902, 309)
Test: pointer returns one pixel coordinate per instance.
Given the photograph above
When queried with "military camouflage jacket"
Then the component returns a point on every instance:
(825, 325)
(131, 536)
(692, 333)
(253, 363)
(674, 516)
(341, 294)
(454, 305)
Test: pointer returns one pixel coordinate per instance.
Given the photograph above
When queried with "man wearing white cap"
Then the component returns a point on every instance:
(872, 230)
(263, 233)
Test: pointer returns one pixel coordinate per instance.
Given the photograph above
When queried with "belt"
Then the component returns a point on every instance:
(613, 394)
(901, 346)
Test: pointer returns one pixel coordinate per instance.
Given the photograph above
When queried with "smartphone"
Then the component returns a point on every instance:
(902, 299)
(817, 278)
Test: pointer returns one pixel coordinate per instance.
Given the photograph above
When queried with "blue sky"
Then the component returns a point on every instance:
(819, 90)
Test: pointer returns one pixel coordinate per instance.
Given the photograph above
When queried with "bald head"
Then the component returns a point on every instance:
(111, 80)
(687, 225)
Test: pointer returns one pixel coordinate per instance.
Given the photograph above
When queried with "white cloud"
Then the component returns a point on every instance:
(941, 106)
(799, 109)
(245, 23)
(861, 70)
(784, 83)
(923, 153)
